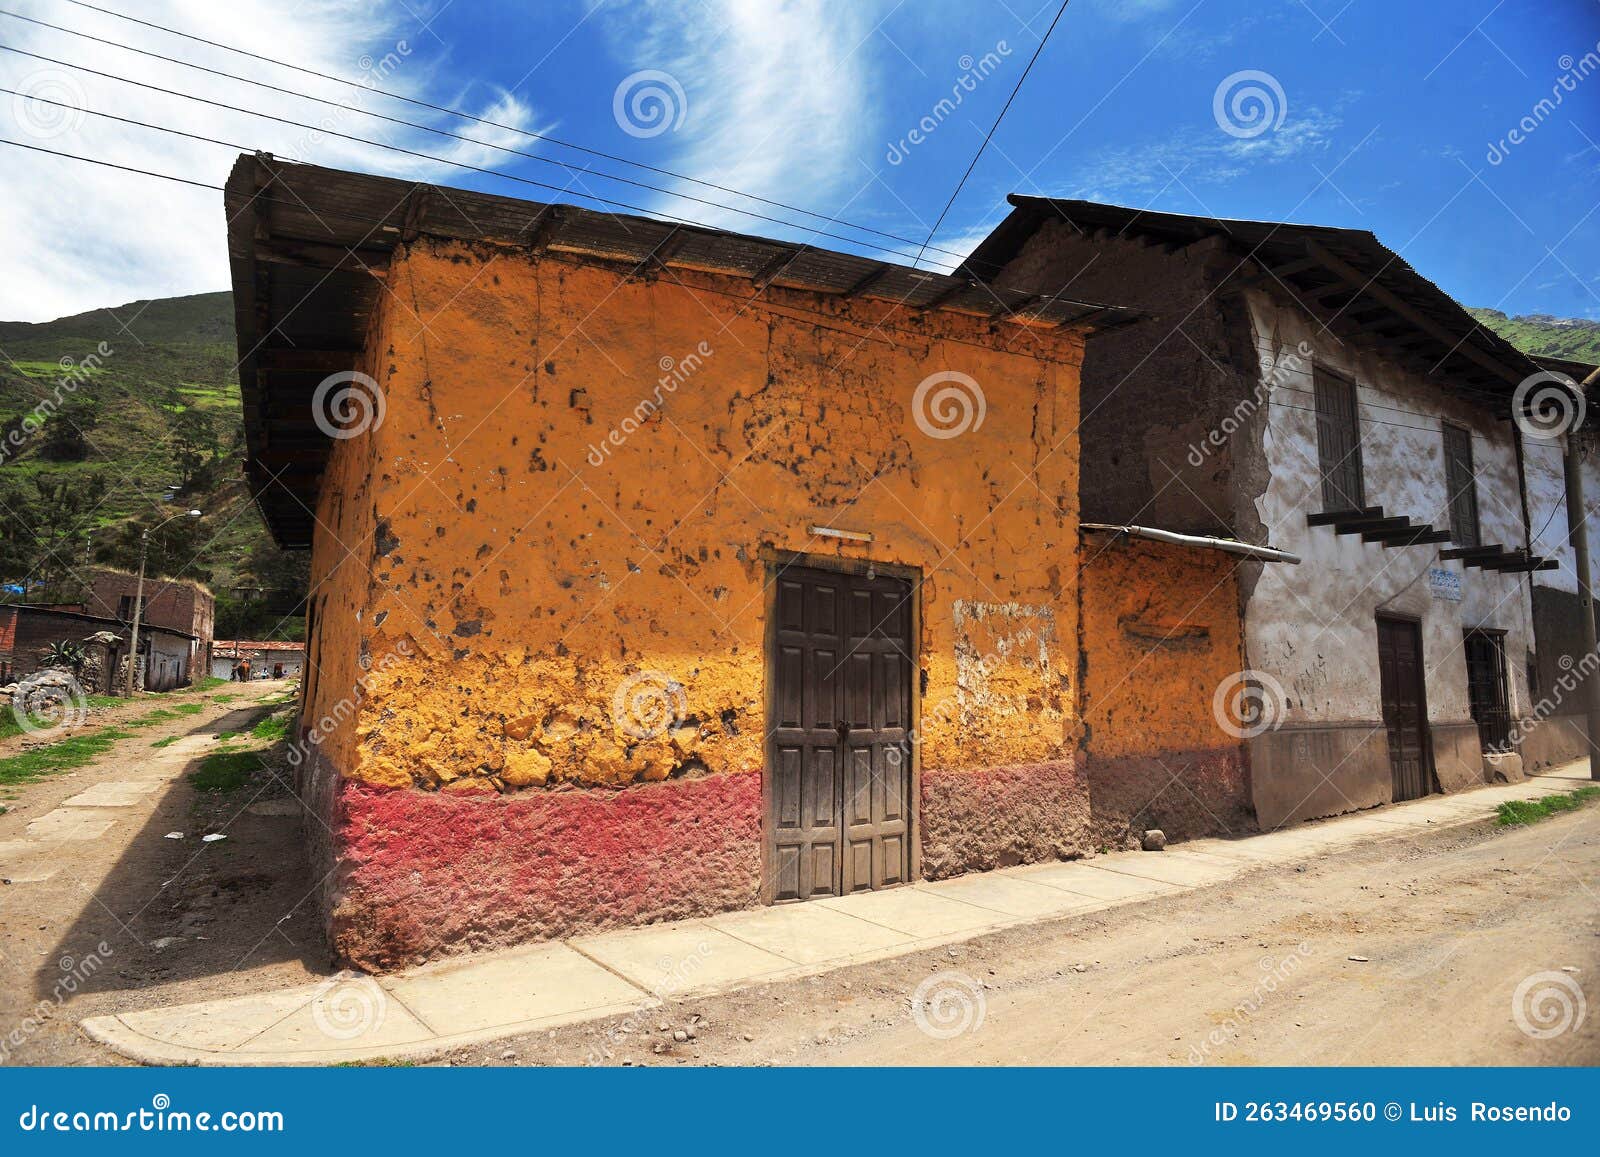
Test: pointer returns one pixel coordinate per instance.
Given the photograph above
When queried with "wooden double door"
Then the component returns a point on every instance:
(839, 766)
(1405, 707)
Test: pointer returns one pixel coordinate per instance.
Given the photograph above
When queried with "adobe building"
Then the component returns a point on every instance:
(181, 606)
(656, 570)
(1302, 389)
(26, 633)
(271, 658)
(1554, 731)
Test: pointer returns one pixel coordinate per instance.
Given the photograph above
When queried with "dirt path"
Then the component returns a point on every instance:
(100, 910)
(1255, 972)
(124, 710)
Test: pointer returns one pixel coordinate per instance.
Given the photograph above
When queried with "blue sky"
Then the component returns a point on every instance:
(1379, 115)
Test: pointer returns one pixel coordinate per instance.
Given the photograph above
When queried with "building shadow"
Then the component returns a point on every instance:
(173, 911)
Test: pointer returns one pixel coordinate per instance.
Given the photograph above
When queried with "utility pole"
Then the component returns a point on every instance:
(138, 598)
(1578, 535)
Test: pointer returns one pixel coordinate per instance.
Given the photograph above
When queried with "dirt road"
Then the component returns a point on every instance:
(99, 910)
(1256, 972)
(1470, 945)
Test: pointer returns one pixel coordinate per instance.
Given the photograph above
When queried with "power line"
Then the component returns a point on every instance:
(581, 169)
(327, 211)
(562, 190)
(130, 121)
(529, 133)
(986, 137)
(111, 165)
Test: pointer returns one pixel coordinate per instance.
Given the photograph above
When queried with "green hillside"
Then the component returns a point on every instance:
(100, 414)
(1546, 336)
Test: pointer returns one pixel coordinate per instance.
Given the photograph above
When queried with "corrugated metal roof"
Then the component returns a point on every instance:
(1344, 277)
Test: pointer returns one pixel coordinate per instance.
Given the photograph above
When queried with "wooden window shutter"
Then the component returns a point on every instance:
(1338, 442)
(1462, 481)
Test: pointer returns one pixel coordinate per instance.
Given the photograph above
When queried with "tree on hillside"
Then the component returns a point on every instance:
(197, 445)
(43, 521)
(67, 432)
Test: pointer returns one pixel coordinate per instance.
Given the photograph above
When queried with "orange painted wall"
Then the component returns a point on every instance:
(530, 564)
(1161, 632)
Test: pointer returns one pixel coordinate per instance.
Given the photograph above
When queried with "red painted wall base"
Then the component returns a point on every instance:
(995, 817)
(421, 873)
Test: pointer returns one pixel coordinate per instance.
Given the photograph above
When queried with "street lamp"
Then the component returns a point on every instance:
(138, 598)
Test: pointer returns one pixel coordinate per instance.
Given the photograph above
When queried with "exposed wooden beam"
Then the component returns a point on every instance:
(281, 251)
(308, 360)
(545, 227)
(1372, 288)
(773, 266)
(869, 280)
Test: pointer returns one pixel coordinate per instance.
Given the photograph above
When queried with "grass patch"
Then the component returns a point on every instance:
(10, 727)
(167, 742)
(188, 708)
(224, 771)
(38, 369)
(1531, 811)
(272, 728)
(223, 698)
(209, 682)
(61, 756)
(224, 736)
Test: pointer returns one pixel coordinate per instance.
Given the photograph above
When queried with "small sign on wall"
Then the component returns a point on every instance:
(1444, 584)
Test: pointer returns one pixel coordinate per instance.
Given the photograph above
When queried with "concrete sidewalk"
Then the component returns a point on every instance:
(436, 1007)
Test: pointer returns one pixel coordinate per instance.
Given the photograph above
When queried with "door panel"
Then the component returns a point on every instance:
(1487, 691)
(842, 709)
(1400, 674)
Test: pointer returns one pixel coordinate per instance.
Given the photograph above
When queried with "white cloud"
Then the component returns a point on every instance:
(779, 100)
(1207, 157)
(79, 236)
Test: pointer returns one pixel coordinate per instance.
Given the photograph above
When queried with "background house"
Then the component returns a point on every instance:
(265, 657)
(26, 633)
(1303, 387)
(1557, 669)
(182, 606)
